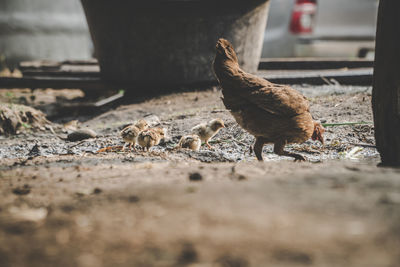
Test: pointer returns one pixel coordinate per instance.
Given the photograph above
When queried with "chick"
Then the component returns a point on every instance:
(206, 131)
(150, 137)
(130, 133)
(192, 142)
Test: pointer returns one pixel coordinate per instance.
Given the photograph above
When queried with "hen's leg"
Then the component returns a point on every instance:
(258, 146)
(279, 150)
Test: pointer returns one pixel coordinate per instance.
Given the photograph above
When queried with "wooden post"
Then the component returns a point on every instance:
(386, 83)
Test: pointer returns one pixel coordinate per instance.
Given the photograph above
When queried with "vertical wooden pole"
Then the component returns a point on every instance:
(386, 84)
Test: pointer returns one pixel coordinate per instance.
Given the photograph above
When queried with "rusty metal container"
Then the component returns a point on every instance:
(166, 42)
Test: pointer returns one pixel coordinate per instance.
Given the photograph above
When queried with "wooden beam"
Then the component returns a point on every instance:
(386, 83)
(84, 83)
(312, 63)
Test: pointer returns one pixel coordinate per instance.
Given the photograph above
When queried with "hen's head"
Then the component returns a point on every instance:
(318, 133)
(225, 50)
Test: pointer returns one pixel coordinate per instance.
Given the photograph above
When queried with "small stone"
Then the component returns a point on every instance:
(97, 190)
(241, 177)
(81, 135)
(188, 254)
(24, 190)
(195, 176)
(133, 199)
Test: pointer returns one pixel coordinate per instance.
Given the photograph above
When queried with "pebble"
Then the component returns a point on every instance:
(81, 135)
(195, 176)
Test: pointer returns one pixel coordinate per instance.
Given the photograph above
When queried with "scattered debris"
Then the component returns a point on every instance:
(35, 151)
(231, 145)
(353, 152)
(110, 149)
(15, 118)
(346, 123)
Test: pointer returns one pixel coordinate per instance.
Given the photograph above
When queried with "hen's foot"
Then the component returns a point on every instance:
(279, 150)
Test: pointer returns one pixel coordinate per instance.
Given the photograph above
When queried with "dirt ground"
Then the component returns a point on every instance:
(64, 204)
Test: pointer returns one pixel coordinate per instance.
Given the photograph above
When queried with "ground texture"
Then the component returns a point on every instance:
(64, 204)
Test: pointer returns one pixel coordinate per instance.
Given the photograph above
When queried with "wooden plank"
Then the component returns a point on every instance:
(38, 63)
(58, 73)
(386, 88)
(86, 62)
(347, 77)
(109, 100)
(64, 70)
(84, 83)
(312, 63)
(362, 80)
(88, 83)
(48, 65)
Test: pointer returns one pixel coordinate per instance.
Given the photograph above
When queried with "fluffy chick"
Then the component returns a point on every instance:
(130, 133)
(150, 137)
(191, 141)
(206, 131)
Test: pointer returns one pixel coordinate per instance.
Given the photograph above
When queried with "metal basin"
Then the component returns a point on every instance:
(153, 43)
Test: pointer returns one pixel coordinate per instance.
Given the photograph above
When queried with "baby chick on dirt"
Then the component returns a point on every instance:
(130, 133)
(150, 137)
(191, 141)
(208, 130)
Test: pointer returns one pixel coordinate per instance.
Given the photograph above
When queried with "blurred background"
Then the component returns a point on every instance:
(321, 28)
(43, 29)
(57, 30)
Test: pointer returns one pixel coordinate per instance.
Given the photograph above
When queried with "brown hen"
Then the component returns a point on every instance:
(273, 113)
